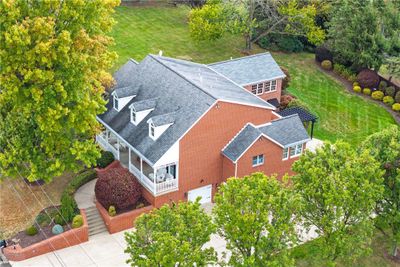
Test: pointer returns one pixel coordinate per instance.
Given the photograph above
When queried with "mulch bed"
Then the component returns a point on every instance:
(44, 232)
(142, 202)
(349, 87)
(392, 258)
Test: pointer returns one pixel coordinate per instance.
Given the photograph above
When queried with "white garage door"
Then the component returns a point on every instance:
(203, 192)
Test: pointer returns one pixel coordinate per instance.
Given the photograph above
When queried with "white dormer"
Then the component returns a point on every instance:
(159, 124)
(122, 96)
(140, 109)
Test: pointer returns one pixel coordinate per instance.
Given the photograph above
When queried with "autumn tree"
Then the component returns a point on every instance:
(254, 19)
(339, 189)
(255, 215)
(384, 146)
(172, 236)
(54, 60)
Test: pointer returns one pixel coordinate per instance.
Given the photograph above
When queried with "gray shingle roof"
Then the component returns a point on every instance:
(123, 75)
(144, 104)
(126, 91)
(163, 119)
(285, 131)
(251, 69)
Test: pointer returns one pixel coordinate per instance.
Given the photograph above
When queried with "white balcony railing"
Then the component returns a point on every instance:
(107, 146)
(155, 188)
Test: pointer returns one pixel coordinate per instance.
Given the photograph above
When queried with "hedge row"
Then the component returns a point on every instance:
(384, 95)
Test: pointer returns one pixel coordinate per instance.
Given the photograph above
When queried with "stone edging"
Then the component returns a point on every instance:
(69, 238)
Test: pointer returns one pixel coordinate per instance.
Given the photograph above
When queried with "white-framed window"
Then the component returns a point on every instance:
(133, 117)
(270, 86)
(285, 154)
(152, 130)
(257, 89)
(296, 150)
(258, 160)
(115, 103)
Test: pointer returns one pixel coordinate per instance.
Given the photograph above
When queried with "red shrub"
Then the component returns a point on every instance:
(368, 79)
(285, 100)
(117, 187)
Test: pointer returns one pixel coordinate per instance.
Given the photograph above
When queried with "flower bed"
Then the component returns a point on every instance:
(68, 238)
(121, 221)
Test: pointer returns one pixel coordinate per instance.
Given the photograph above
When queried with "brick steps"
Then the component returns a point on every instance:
(95, 222)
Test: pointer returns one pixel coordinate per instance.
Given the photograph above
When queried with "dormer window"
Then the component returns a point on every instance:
(133, 116)
(140, 109)
(116, 103)
(159, 124)
(122, 96)
(152, 130)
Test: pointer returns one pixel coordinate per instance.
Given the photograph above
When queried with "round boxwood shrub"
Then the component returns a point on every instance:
(77, 221)
(57, 229)
(388, 100)
(31, 230)
(367, 91)
(397, 97)
(396, 107)
(117, 187)
(111, 211)
(106, 159)
(357, 89)
(322, 53)
(377, 95)
(368, 78)
(356, 84)
(382, 85)
(326, 64)
(390, 91)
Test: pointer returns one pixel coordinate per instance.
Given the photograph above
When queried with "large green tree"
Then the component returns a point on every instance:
(54, 60)
(384, 146)
(363, 32)
(255, 214)
(172, 236)
(339, 189)
(254, 19)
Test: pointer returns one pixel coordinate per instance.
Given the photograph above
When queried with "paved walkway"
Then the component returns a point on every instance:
(85, 195)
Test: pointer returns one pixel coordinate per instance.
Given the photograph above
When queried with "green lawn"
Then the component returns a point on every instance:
(140, 31)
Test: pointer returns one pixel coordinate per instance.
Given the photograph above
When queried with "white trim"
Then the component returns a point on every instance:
(287, 153)
(255, 140)
(233, 138)
(299, 142)
(276, 114)
(262, 125)
(129, 145)
(240, 58)
(260, 81)
(236, 167)
(246, 104)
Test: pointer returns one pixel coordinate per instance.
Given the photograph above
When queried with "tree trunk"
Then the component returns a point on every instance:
(394, 253)
(248, 42)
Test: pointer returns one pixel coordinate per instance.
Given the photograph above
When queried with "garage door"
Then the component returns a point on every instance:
(203, 192)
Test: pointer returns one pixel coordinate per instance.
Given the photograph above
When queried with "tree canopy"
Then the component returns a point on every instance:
(255, 216)
(254, 19)
(172, 236)
(384, 146)
(339, 189)
(54, 60)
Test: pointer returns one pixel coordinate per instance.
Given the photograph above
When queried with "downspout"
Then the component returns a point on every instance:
(236, 169)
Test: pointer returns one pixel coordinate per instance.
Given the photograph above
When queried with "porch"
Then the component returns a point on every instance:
(156, 179)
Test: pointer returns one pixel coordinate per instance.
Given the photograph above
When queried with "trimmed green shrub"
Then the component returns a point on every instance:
(57, 229)
(77, 221)
(396, 107)
(111, 211)
(326, 65)
(322, 53)
(282, 42)
(43, 219)
(357, 89)
(368, 78)
(397, 97)
(356, 84)
(68, 208)
(367, 91)
(390, 91)
(382, 85)
(352, 78)
(106, 159)
(31, 230)
(388, 100)
(377, 95)
(58, 219)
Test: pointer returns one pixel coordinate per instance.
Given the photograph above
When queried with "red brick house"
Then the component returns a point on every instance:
(183, 128)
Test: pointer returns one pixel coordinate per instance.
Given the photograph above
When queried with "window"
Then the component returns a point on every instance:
(133, 116)
(151, 130)
(258, 160)
(296, 150)
(171, 169)
(270, 86)
(257, 89)
(116, 103)
(285, 153)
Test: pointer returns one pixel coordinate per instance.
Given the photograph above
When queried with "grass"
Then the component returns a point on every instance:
(144, 30)
(307, 255)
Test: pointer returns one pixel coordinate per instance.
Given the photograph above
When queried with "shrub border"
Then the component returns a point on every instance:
(67, 239)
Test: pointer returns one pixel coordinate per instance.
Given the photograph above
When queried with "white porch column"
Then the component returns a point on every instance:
(155, 181)
(141, 169)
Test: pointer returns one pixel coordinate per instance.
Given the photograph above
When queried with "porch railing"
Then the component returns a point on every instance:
(107, 146)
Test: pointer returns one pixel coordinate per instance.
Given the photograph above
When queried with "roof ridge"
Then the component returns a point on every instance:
(134, 61)
(286, 117)
(183, 77)
(237, 134)
(239, 58)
